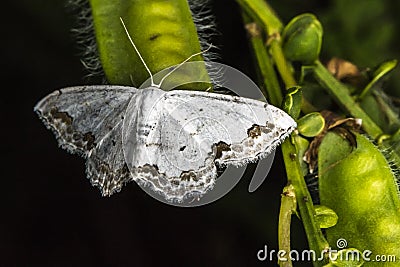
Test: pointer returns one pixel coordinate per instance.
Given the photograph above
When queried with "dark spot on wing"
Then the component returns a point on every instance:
(153, 144)
(152, 169)
(125, 169)
(221, 146)
(270, 125)
(182, 148)
(103, 168)
(201, 109)
(69, 129)
(266, 130)
(108, 178)
(89, 139)
(189, 175)
(254, 131)
(63, 116)
(175, 182)
(76, 136)
(154, 36)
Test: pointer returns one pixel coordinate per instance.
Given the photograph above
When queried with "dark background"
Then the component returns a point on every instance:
(52, 216)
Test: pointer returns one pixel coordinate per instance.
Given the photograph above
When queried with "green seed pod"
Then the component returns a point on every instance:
(302, 39)
(163, 32)
(358, 184)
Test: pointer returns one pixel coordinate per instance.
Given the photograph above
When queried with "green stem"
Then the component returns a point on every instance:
(281, 63)
(272, 89)
(340, 93)
(285, 70)
(288, 207)
(391, 115)
(382, 70)
(316, 239)
(260, 11)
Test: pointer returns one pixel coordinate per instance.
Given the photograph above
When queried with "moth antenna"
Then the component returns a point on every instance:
(186, 60)
(137, 51)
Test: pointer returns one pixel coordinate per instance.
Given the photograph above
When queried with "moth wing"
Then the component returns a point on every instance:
(105, 164)
(87, 120)
(187, 132)
(241, 130)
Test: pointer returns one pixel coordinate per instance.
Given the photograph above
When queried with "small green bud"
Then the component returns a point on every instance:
(311, 124)
(292, 102)
(302, 39)
(325, 216)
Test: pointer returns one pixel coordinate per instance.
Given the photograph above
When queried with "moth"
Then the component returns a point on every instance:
(172, 141)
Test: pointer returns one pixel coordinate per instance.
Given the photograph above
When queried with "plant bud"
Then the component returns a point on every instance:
(302, 39)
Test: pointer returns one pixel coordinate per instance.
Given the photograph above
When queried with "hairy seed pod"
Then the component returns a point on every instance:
(359, 185)
(163, 32)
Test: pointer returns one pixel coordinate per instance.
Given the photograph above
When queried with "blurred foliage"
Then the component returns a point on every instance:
(361, 31)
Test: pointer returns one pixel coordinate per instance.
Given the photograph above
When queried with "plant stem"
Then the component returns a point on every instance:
(260, 11)
(316, 239)
(288, 207)
(284, 68)
(280, 61)
(264, 64)
(340, 93)
(387, 110)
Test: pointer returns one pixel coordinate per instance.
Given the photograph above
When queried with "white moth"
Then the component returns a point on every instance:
(172, 141)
